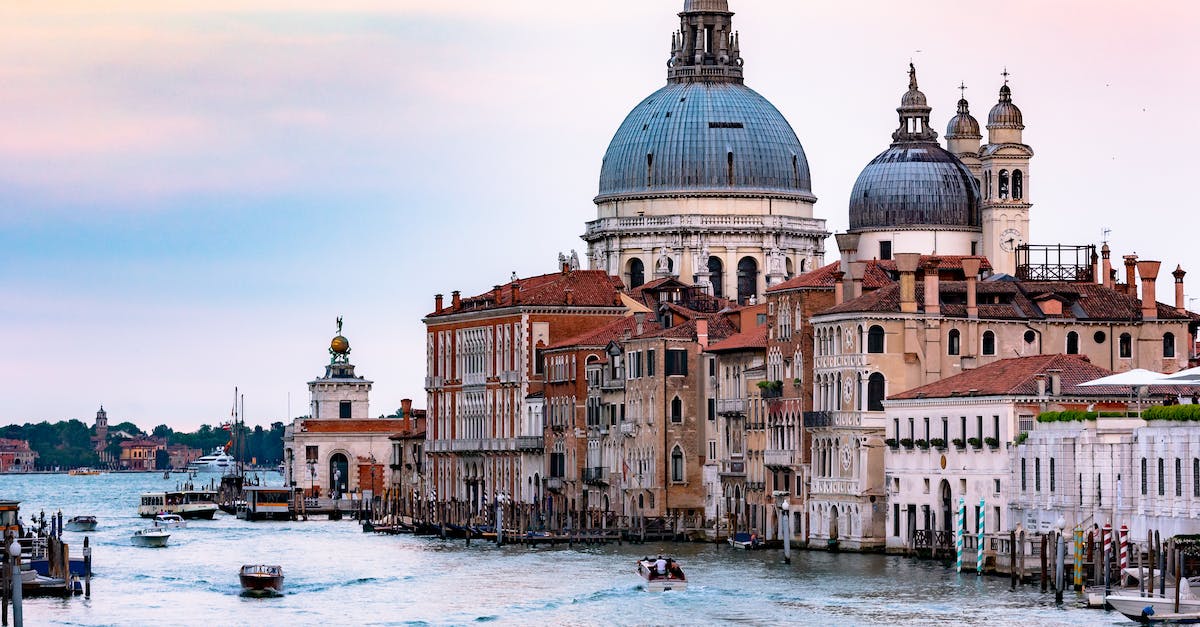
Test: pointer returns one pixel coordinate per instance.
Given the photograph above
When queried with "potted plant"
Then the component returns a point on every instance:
(922, 444)
(975, 443)
(959, 443)
(771, 389)
(938, 443)
(1021, 437)
(992, 442)
(906, 443)
(892, 443)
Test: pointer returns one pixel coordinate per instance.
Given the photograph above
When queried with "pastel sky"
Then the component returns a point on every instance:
(191, 192)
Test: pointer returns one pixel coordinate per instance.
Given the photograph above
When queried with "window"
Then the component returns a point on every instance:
(885, 249)
(1052, 475)
(896, 520)
(996, 486)
(1002, 188)
(677, 465)
(676, 362)
(954, 343)
(1126, 346)
(1178, 477)
(875, 340)
(716, 276)
(989, 343)
(979, 427)
(1030, 336)
(747, 279)
(1169, 345)
(650, 354)
(1037, 474)
(1145, 479)
(310, 454)
(637, 273)
(1162, 480)
(1072, 343)
(712, 449)
(712, 409)
(875, 392)
(946, 429)
(676, 410)
(996, 427)
(1018, 185)
(344, 409)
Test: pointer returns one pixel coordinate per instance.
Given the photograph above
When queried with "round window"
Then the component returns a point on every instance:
(1030, 336)
(1099, 337)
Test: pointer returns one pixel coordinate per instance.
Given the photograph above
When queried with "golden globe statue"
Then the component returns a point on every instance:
(339, 345)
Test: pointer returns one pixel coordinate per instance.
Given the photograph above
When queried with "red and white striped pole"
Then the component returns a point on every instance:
(1124, 547)
(1106, 540)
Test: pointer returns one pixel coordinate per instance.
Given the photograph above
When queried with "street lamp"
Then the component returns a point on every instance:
(312, 476)
(785, 524)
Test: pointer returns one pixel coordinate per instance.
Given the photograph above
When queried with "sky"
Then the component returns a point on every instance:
(192, 192)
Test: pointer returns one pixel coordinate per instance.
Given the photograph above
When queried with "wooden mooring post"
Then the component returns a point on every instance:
(1042, 548)
(1012, 559)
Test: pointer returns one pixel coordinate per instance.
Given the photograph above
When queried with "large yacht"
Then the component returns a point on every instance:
(216, 461)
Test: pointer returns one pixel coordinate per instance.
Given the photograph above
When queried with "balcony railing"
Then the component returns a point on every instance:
(779, 458)
(731, 406)
(835, 486)
(554, 484)
(826, 419)
(596, 476)
(531, 443)
(510, 377)
(612, 384)
(629, 429)
(733, 468)
(433, 383)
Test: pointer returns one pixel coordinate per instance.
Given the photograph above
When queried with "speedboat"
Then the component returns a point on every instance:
(169, 521)
(216, 461)
(671, 578)
(261, 578)
(1158, 608)
(81, 523)
(749, 541)
(150, 537)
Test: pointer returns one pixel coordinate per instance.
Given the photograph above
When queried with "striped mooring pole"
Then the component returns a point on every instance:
(1106, 540)
(1078, 561)
(960, 522)
(979, 540)
(1124, 547)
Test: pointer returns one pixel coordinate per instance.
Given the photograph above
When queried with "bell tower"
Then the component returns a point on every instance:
(1004, 162)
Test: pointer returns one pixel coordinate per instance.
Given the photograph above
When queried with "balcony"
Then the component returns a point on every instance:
(731, 406)
(845, 419)
(510, 377)
(434, 383)
(612, 385)
(554, 484)
(780, 458)
(533, 443)
(733, 469)
(595, 476)
(835, 486)
(628, 429)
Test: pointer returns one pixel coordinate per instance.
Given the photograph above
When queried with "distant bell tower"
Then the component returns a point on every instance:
(102, 425)
(1004, 161)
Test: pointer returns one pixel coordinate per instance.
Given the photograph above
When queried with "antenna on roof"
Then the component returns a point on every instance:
(1105, 232)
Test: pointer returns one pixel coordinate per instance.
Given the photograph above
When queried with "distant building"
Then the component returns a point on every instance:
(16, 456)
(407, 481)
(180, 456)
(140, 453)
(100, 439)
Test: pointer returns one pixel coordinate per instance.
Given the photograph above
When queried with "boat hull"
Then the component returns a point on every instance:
(150, 540)
(80, 526)
(1133, 607)
(675, 580)
(261, 579)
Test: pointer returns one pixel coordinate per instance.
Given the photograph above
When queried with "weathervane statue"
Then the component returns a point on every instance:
(339, 348)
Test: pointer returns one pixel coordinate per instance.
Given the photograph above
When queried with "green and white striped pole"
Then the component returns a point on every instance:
(979, 543)
(960, 521)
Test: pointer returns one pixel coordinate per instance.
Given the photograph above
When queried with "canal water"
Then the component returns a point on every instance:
(337, 575)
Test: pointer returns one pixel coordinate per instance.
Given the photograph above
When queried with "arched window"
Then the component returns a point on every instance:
(989, 343)
(637, 273)
(1018, 185)
(1125, 346)
(747, 279)
(954, 343)
(875, 339)
(676, 410)
(1168, 345)
(875, 391)
(716, 274)
(1002, 185)
(677, 465)
(1072, 343)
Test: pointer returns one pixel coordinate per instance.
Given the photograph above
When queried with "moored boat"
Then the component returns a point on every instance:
(661, 575)
(217, 461)
(150, 537)
(187, 503)
(81, 523)
(261, 578)
(748, 541)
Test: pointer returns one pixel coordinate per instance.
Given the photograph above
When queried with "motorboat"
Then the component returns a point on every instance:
(1158, 608)
(81, 523)
(150, 537)
(749, 541)
(217, 461)
(169, 521)
(669, 577)
(83, 472)
(261, 578)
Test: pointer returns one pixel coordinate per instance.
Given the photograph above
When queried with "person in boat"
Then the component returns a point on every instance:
(660, 566)
(753, 539)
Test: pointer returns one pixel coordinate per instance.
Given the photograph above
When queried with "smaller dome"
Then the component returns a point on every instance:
(716, 6)
(913, 98)
(963, 124)
(1006, 114)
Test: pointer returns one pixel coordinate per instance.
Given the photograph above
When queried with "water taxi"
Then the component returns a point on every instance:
(260, 579)
(169, 521)
(152, 537)
(81, 523)
(661, 575)
(83, 472)
(186, 503)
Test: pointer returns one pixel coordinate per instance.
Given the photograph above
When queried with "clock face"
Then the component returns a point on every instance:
(847, 458)
(1010, 239)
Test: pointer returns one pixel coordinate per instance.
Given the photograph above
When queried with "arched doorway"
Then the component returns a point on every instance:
(339, 474)
(637, 273)
(875, 392)
(944, 491)
(833, 524)
(716, 275)
(747, 273)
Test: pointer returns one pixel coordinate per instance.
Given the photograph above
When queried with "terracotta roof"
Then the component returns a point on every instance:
(610, 332)
(588, 288)
(945, 262)
(719, 328)
(875, 277)
(1016, 301)
(373, 425)
(754, 338)
(1018, 377)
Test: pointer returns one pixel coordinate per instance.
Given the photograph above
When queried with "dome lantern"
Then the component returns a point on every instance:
(705, 48)
(914, 113)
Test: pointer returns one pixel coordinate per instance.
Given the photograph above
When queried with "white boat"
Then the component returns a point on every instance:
(150, 537)
(216, 461)
(81, 523)
(169, 521)
(671, 578)
(187, 503)
(1156, 608)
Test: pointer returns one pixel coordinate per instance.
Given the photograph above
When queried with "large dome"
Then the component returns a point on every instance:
(705, 138)
(915, 184)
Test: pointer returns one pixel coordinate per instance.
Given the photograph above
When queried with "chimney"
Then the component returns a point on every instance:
(566, 267)
(1095, 266)
(933, 305)
(848, 245)
(1041, 384)
(1148, 270)
(570, 294)
(907, 264)
(1106, 278)
(1180, 305)
(1130, 279)
(1055, 382)
(496, 293)
(702, 333)
(971, 267)
(437, 303)
(455, 299)
(858, 270)
(640, 318)
(516, 293)
(839, 288)
(406, 412)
